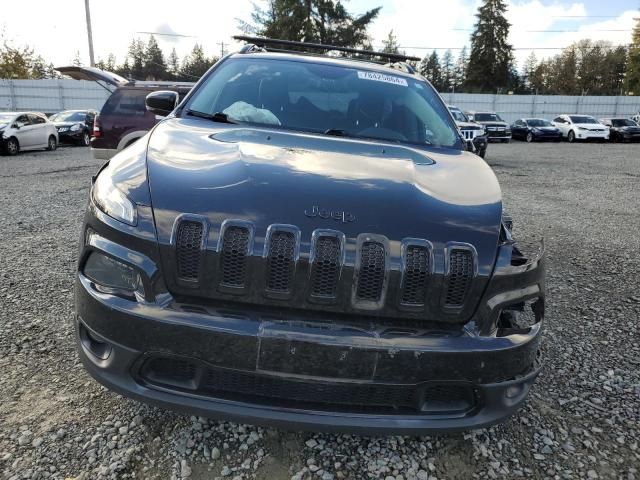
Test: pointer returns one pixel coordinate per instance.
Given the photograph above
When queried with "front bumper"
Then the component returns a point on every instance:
(591, 135)
(70, 137)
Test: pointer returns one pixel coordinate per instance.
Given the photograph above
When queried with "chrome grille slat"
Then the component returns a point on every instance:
(188, 248)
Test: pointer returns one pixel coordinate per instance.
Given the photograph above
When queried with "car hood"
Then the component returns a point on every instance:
(469, 125)
(65, 124)
(546, 129)
(493, 124)
(591, 126)
(265, 177)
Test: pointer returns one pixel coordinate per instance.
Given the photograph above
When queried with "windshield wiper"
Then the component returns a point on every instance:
(214, 117)
(336, 132)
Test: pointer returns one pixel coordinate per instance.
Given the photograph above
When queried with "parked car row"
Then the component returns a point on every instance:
(23, 131)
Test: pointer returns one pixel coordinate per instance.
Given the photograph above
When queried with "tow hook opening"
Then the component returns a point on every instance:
(519, 318)
(93, 345)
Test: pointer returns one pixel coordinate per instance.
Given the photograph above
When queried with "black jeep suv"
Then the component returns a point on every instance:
(304, 242)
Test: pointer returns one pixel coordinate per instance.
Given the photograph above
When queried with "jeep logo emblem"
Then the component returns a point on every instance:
(337, 215)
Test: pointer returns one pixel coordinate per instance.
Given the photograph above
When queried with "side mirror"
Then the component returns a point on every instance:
(162, 102)
(16, 126)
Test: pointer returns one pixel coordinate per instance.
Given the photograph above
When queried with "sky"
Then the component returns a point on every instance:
(420, 25)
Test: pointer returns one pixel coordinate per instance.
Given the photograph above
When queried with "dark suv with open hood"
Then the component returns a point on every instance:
(305, 242)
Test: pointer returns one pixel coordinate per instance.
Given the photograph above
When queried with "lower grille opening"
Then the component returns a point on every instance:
(251, 387)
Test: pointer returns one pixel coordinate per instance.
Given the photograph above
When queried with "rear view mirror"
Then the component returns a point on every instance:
(162, 102)
(16, 126)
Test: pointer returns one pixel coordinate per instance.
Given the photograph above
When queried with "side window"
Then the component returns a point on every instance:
(22, 121)
(128, 102)
(36, 119)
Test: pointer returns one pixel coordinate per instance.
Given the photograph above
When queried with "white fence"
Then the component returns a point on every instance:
(50, 96)
(54, 95)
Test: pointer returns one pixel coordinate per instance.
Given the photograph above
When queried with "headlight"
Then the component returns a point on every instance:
(75, 128)
(112, 201)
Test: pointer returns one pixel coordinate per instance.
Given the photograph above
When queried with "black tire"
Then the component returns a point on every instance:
(53, 143)
(482, 153)
(85, 141)
(571, 137)
(12, 146)
(529, 137)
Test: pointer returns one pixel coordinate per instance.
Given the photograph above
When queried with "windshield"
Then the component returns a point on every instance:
(582, 119)
(538, 122)
(487, 117)
(458, 115)
(68, 117)
(337, 100)
(620, 122)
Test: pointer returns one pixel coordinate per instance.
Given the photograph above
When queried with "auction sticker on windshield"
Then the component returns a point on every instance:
(381, 77)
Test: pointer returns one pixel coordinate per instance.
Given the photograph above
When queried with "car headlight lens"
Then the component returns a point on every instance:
(75, 128)
(112, 274)
(112, 201)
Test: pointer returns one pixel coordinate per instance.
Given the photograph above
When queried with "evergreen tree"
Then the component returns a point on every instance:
(491, 59)
(632, 78)
(76, 61)
(390, 45)
(196, 64)
(460, 69)
(137, 58)
(173, 65)
(528, 71)
(155, 67)
(448, 71)
(320, 21)
(430, 69)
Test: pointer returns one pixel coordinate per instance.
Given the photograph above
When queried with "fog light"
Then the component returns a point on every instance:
(112, 274)
(513, 391)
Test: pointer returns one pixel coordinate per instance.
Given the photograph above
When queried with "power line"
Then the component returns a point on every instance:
(516, 48)
(168, 34)
(555, 31)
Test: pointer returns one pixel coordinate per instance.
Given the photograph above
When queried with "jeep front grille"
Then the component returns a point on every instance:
(189, 247)
(235, 249)
(372, 272)
(326, 271)
(281, 261)
(326, 267)
(416, 275)
(460, 275)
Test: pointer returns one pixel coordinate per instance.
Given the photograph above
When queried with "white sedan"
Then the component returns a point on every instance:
(21, 131)
(581, 127)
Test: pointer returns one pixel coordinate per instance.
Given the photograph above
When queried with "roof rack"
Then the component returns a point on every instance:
(257, 44)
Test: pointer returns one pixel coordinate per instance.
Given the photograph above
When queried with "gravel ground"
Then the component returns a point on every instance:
(581, 421)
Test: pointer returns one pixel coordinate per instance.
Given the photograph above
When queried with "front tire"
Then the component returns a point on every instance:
(53, 143)
(85, 141)
(12, 147)
(529, 137)
(571, 137)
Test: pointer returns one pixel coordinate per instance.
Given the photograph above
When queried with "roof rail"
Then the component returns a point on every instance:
(267, 43)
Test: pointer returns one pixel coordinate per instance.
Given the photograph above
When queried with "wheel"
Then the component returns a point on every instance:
(12, 147)
(529, 137)
(53, 143)
(571, 136)
(85, 141)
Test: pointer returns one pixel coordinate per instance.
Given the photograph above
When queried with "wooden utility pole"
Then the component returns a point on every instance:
(89, 34)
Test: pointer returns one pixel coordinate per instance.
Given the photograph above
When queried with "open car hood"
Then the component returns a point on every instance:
(93, 74)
